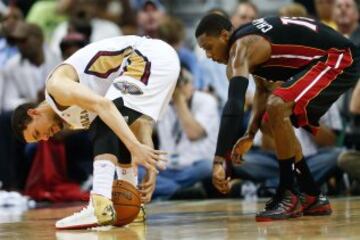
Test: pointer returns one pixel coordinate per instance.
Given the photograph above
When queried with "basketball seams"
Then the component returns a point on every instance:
(126, 205)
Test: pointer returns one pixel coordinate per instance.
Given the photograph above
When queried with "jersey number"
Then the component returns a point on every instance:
(301, 21)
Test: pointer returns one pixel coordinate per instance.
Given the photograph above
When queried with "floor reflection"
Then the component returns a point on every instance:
(221, 219)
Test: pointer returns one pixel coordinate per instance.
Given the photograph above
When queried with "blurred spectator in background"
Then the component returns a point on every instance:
(355, 100)
(214, 78)
(85, 11)
(48, 14)
(244, 13)
(320, 153)
(349, 160)
(188, 132)
(149, 16)
(346, 16)
(25, 74)
(9, 20)
(24, 80)
(172, 31)
(119, 12)
(71, 43)
(293, 10)
(324, 12)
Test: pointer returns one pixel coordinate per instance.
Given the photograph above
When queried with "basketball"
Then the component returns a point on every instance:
(126, 199)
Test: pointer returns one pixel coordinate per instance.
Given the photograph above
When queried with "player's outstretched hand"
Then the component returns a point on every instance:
(147, 186)
(219, 179)
(148, 157)
(241, 147)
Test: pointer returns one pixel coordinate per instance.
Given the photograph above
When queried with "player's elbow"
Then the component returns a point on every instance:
(101, 104)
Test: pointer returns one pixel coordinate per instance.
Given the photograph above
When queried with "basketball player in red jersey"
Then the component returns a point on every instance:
(301, 67)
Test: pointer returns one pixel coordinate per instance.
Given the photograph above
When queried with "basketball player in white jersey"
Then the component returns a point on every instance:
(105, 87)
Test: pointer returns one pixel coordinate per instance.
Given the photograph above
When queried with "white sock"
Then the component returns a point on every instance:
(104, 171)
(127, 174)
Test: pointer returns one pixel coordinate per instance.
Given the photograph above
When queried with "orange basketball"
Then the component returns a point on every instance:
(126, 199)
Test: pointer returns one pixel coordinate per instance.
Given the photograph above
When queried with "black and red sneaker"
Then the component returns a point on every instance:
(315, 205)
(284, 205)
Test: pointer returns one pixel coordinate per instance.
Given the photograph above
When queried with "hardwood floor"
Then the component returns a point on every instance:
(220, 219)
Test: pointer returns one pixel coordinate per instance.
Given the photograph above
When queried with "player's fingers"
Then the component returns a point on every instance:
(145, 185)
(161, 165)
(217, 181)
(159, 158)
(145, 191)
(146, 199)
(150, 167)
(151, 161)
(160, 152)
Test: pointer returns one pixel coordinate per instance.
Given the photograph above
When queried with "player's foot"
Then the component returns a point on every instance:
(141, 217)
(315, 205)
(284, 205)
(100, 211)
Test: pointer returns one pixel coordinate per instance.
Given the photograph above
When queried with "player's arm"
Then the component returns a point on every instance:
(67, 92)
(143, 129)
(244, 56)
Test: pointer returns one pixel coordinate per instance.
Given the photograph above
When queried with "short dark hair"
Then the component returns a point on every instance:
(212, 24)
(172, 31)
(20, 120)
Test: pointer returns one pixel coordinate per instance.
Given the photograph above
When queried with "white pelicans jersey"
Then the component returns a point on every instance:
(140, 70)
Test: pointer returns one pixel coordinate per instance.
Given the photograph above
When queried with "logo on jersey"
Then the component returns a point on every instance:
(128, 88)
(133, 63)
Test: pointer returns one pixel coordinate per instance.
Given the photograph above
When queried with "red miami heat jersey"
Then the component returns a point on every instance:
(295, 43)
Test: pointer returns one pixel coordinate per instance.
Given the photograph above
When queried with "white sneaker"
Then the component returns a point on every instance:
(100, 211)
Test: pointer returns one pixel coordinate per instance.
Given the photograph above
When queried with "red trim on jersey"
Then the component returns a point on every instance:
(292, 56)
(293, 49)
(104, 54)
(313, 83)
(286, 62)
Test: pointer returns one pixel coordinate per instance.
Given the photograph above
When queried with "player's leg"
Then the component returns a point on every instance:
(304, 179)
(308, 96)
(285, 204)
(321, 164)
(100, 210)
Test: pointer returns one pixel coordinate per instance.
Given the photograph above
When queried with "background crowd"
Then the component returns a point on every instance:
(36, 35)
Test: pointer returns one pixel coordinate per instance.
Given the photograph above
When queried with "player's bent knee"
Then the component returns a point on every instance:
(265, 128)
(275, 107)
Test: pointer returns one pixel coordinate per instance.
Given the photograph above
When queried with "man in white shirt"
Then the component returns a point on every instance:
(188, 133)
(85, 11)
(25, 73)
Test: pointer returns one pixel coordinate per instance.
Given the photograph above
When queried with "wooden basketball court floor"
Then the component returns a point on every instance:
(211, 219)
